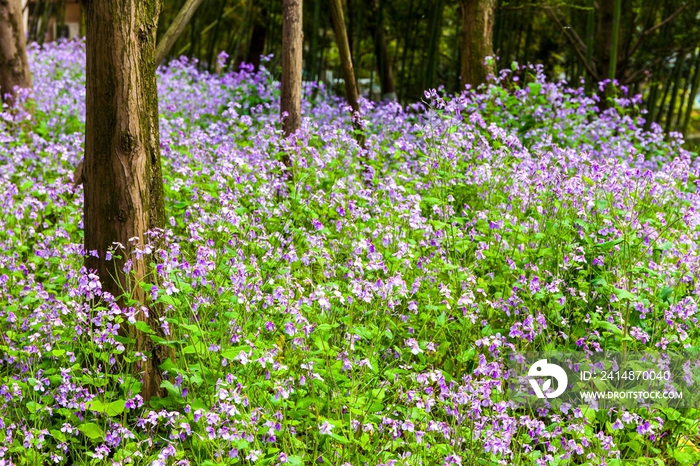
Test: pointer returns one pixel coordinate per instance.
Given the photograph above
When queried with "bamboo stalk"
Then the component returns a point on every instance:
(693, 94)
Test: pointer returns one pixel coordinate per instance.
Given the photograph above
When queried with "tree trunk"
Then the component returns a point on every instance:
(257, 39)
(341, 38)
(693, 92)
(14, 67)
(605, 33)
(122, 172)
(312, 63)
(381, 51)
(614, 39)
(674, 93)
(433, 46)
(590, 38)
(292, 42)
(477, 29)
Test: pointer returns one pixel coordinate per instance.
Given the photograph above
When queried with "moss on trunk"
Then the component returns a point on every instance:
(122, 171)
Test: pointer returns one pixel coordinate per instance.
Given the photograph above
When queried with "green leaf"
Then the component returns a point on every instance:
(587, 180)
(91, 430)
(58, 435)
(33, 407)
(609, 244)
(624, 294)
(143, 327)
(112, 409)
(605, 325)
(534, 88)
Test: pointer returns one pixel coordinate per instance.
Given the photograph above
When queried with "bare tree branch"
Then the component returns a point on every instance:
(175, 29)
(652, 29)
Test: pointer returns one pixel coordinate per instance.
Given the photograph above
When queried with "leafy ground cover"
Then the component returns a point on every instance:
(360, 312)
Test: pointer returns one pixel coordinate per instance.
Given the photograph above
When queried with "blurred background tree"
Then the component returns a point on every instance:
(399, 48)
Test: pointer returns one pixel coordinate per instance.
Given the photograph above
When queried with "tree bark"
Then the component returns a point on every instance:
(175, 29)
(292, 43)
(477, 29)
(341, 39)
(14, 67)
(122, 169)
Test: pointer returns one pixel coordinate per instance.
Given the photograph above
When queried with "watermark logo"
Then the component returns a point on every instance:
(542, 369)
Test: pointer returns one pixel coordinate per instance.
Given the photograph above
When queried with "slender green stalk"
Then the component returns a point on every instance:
(312, 60)
(433, 46)
(674, 93)
(617, 5)
(590, 41)
(693, 93)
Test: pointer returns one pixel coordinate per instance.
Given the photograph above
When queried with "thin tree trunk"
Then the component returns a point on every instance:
(257, 39)
(292, 44)
(212, 54)
(651, 106)
(674, 93)
(61, 31)
(614, 40)
(407, 44)
(605, 32)
(477, 30)
(433, 46)
(122, 171)
(498, 46)
(237, 58)
(341, 38)
(528, 40)
(14, 67)
(693, 93)
(590, 38)
(667, 87)
(683, 93)
(312, 65)
(381, 51)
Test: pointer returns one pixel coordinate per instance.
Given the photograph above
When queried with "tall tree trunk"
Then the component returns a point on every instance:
(257, 38)
(341, 39)
(122, 172)
(684, 89)
(614, 39)
(292, 43)
(477, 29)
(605, 33)
(667, 86)
(590, 40)
(433, 46)
(693, 92)
(381, 52)
(407, 44)
(312, 64)
(651, 105)
(14, 67)
(674, 93)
